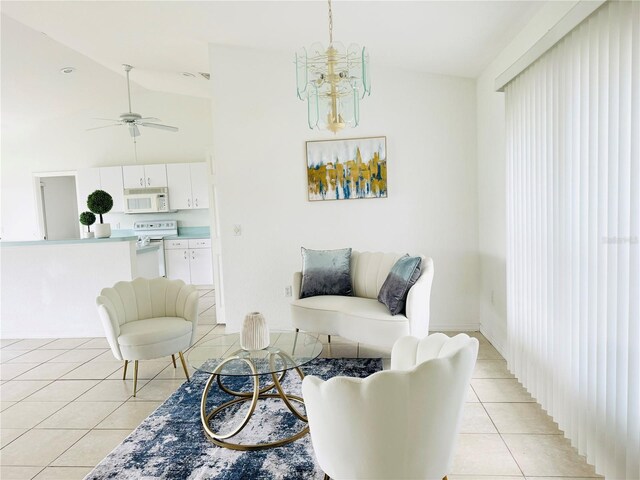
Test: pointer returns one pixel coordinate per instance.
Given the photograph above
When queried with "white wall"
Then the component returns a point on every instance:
(63, 144)
(492, 174)
(259, 156)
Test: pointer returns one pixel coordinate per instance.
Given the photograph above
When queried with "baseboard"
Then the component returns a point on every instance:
(493, 340)
(458, 327)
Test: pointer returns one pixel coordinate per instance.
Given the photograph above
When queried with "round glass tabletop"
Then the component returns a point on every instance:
(286, 350)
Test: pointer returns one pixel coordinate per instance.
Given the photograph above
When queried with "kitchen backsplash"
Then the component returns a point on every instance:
(186, 218)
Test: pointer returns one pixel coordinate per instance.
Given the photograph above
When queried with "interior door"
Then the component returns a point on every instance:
(60, 207)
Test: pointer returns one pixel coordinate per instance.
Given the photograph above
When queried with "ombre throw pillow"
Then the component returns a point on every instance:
(401, 278)
(326, 272)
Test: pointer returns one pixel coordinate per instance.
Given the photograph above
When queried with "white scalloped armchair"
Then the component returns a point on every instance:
(400, 423)
(149, 318)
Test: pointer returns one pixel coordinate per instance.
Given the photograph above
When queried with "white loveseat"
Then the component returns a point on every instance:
(361, 318)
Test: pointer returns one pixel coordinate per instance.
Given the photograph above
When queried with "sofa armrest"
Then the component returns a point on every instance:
(418, 301)
(297, 284)
(110, 323)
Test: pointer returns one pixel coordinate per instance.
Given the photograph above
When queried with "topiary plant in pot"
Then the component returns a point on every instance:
(100, 202)
(87, 219)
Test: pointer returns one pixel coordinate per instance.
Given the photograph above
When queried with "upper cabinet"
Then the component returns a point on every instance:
(87, 182)
(111, 182)
(108, 179)
(188, 185)
(144, 176)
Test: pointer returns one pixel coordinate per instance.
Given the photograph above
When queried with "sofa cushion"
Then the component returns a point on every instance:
(401, 278)
(326, 272)
(153, 330)
(349, 306)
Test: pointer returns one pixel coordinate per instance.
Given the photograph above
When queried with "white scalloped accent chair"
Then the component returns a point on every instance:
(400, 423)
(149, 318)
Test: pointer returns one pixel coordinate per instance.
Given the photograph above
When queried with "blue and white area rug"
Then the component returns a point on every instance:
(170, 443)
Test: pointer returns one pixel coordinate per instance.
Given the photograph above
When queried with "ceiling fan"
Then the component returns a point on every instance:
(133, 120)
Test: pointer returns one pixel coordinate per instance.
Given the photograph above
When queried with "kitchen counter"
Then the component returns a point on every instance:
(190, 232)
(50, 287)
(70, 241)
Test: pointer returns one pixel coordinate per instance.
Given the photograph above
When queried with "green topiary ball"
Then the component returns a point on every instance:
(99, 202)
(87, 218)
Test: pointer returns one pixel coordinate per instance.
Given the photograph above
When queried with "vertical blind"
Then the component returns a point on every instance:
(573, 228)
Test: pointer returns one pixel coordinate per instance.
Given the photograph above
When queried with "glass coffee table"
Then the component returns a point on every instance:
(222, 357)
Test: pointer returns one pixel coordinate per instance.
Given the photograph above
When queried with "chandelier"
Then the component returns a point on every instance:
(333, 81)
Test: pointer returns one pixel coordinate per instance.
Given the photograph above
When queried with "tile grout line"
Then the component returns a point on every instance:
(499, 433)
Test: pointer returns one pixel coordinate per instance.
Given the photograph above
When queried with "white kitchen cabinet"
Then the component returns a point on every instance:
(189, 260)
(200, 185)
(188, 185)
(144, 176)
(179, 181)
(155, 175)
(111, 182)
(109, 179)
(133, 176)
(200, 262)
(87, 182)
(177, 264)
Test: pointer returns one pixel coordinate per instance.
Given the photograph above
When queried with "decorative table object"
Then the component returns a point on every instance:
(100, 202)
(87, 219)
(255, 332)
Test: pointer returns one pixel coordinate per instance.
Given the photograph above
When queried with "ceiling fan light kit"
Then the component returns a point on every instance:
(333, 81)
(131, 119)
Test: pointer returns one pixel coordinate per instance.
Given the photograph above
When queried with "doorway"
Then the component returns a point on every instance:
(59, 207)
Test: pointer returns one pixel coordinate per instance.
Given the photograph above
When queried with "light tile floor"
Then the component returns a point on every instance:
(64, 407)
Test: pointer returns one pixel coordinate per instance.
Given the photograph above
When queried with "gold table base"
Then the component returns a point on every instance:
(258, 393)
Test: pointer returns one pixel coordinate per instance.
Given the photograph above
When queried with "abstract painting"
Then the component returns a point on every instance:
(347, 169)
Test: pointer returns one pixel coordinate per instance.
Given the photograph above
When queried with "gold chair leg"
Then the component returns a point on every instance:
(184, 366)
(445, 478)
(124, 375)
(327, 477)
(295, 341)
(135, 377)
(173, 357)
(328, 338)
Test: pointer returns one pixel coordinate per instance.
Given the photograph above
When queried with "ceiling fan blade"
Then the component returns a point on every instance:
(159, 126)
(104, 126)
(150, 119)
(133, 130)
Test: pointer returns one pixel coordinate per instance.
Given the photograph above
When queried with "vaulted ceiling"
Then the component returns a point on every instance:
(163, 38)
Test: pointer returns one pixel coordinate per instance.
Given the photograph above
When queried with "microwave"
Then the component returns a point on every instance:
(146, 200)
